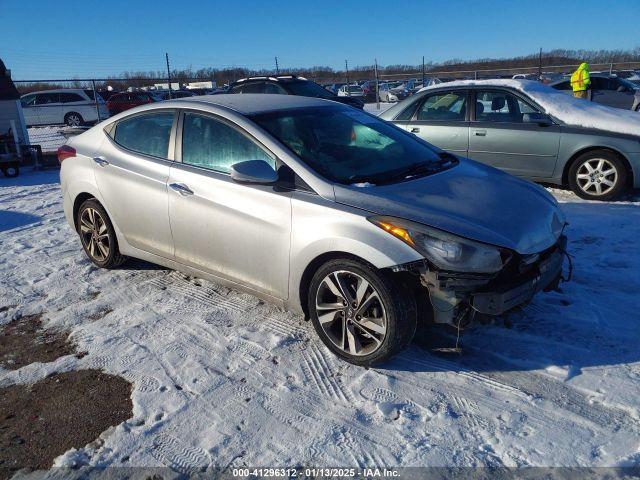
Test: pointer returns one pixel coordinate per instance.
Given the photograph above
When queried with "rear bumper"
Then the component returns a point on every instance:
(508, 296)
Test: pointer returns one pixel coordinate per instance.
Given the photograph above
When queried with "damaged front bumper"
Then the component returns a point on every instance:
(457, 297)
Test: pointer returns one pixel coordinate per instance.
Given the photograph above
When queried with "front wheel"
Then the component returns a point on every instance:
(598, 175)
(359, 312)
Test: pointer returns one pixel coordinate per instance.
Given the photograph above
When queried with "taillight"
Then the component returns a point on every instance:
(65, 151)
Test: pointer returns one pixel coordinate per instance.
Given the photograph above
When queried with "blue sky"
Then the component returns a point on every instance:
(64, 39)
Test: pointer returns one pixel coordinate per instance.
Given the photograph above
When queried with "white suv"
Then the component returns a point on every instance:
(74, 107)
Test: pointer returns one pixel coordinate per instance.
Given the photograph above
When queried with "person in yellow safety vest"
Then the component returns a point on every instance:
(580, 81)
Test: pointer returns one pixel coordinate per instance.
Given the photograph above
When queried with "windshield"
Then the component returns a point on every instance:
(348, 146)
(628, 83)
(309, 89)
(355, 89)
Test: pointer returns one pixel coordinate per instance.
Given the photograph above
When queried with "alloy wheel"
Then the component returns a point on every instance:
(95, 235)
(74, 120)
(597, 176)
(351, 313)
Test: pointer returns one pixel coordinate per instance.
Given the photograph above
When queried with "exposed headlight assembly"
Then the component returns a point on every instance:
(444, 250)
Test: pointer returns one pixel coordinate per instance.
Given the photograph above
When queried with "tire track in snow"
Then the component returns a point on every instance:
(177, 455)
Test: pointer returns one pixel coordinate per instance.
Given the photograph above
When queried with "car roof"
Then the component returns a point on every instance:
(59, 90)
(252, 103)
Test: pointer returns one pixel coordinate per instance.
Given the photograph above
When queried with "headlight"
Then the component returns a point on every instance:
(444, 250)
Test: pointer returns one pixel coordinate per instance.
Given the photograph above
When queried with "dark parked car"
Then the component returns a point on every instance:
(290, 85)
(609, 90)
(164, 95)
(126, 100)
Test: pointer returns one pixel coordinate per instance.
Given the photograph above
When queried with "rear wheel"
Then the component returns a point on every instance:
(73, 119)
(598, 175)
(97, 235)
(11, 171)
(359, 313)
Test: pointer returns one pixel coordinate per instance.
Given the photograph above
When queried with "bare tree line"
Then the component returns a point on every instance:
(324, 74)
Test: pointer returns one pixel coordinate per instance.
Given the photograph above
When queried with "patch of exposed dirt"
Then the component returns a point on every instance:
(67, 410)
(24, 341)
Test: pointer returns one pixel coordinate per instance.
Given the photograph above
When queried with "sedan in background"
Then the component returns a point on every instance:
(126, 100)
(609, 90)
(351, 91)
(314, 206)
(392, 92)
(529, 130)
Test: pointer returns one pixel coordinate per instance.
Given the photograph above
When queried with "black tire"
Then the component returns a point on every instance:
(579, 168)
(397, 303)
(11, 171)
(113, 258)
(73, 119)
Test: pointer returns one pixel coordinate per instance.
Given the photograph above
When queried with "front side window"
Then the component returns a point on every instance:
(347, 146)
(274, 88)
(501, 107)
(255, 87)
(210, 143)
(444, 107)
(308, 89)
(28, 101)
(148, 134)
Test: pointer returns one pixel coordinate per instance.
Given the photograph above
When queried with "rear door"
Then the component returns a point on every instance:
(504, 133)
(49, 108)
(132, 175)
(441, 119)
(237, 231)
(74, 102)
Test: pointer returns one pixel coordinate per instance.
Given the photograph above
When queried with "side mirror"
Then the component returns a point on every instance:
(254, 171)
(622, 89)
(539, 118)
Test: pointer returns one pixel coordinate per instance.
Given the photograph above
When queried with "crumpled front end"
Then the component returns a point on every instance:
(459, 298)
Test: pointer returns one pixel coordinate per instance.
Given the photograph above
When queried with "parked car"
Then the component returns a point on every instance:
(290, 85)
(609, 90)
(392, 92)
(351, 91)
(334, 87)
(164, 95)
(503, 123)
(369, 90)
(126, 100)
(71, 106)
(314, 206)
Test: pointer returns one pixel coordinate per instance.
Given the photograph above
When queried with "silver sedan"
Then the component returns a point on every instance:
(314, 206)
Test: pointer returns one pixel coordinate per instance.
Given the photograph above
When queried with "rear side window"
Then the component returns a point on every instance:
(148, 134)
(67, 97)
(47, 98)
(257, 87)
(209, 143)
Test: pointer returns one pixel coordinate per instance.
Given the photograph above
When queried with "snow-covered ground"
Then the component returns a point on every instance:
(222, 379)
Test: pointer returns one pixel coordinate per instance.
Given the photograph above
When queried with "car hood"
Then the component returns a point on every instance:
(470, 200)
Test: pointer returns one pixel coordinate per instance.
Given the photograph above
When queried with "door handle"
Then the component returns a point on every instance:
(181, 188)
(103, 162)
(415, 130)
(480, 133)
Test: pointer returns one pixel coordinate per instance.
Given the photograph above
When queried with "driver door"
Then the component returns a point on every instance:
(239, 232)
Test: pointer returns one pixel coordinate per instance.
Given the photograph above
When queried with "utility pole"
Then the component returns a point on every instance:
(277, 67)
(540, 66)
(95, 99)
(166, 55)
(423, 79)
(346, 73)
(375, 70)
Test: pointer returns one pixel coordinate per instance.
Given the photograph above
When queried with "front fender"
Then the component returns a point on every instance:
(318, 230)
